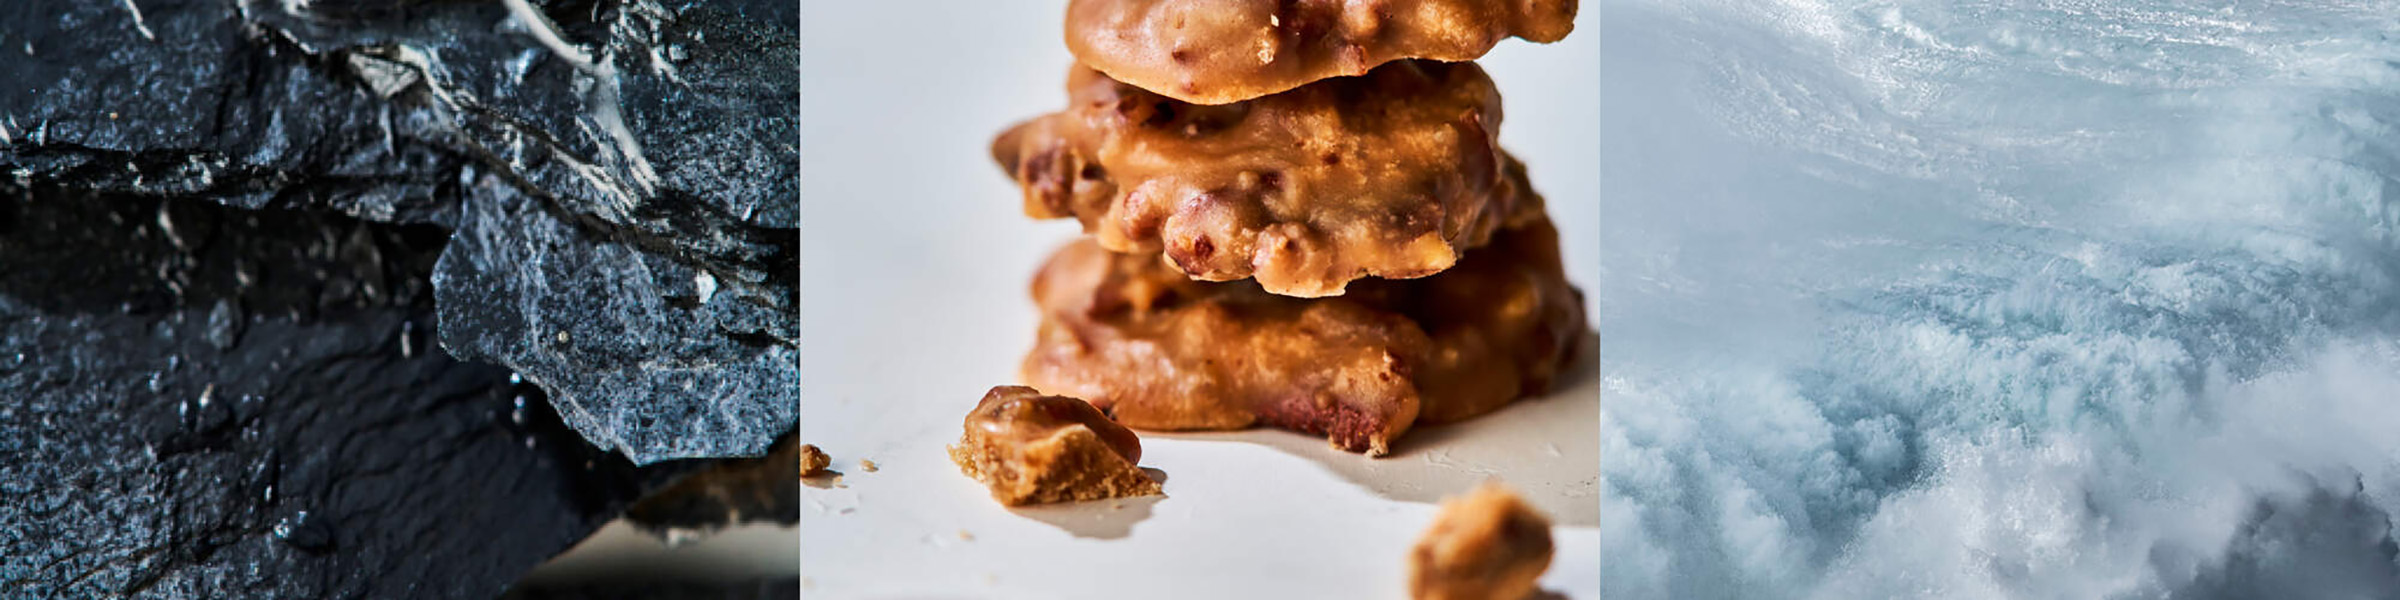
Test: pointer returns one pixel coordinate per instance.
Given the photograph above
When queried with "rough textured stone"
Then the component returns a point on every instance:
(221, 322)
(208, 402)
(621, 175)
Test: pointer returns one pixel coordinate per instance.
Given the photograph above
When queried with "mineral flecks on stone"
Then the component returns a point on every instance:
(645, 359)
(621, 175)
(206, 402)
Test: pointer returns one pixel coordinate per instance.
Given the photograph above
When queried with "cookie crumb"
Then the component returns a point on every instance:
(1486, 545)
(813, 460)
(866, 465)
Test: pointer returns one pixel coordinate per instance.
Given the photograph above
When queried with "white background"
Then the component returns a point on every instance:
(917, 259)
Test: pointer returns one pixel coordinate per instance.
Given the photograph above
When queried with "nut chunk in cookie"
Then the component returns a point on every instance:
(1487, 545)
(1393, 174)
(1219, 51)
(1035, 449)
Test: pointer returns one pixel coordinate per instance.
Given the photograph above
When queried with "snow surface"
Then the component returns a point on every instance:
(2000, 299)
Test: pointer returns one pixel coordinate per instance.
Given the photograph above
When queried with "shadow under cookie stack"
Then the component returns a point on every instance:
(1299, 217)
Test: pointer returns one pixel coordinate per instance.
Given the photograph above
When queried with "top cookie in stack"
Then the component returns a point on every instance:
(1220, 51)
(1286, 150)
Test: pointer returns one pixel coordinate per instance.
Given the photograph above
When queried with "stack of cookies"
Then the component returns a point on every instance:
(1299, 216)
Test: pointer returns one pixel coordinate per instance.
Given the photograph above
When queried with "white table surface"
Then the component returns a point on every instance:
(917, 260)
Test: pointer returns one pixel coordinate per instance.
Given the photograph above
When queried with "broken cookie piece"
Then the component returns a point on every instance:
(1157, 350)
(1392, 174)
(813, 461)
(1486, 545)
(1220, 51)
(1035, 449)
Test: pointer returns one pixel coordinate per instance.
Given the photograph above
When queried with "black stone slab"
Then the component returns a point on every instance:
(204, 402)
(622, 176)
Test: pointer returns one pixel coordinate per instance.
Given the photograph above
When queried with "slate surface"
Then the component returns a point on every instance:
(657, 141)
(237, 237)
(207, 402)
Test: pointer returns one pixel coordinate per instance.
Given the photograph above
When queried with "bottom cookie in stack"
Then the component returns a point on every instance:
(1158, 350)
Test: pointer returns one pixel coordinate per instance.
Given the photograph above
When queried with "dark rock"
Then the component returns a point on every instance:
(304, 533)
(623, 173)
(644, 360)
(142, 454)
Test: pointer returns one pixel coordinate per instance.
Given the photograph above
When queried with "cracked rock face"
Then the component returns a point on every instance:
(212, 402)
(289, 290)
(620, 176)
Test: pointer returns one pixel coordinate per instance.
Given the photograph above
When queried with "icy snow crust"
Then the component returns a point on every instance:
(2007, 299)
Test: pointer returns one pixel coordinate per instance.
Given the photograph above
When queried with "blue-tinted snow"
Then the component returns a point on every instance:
(2005, 299)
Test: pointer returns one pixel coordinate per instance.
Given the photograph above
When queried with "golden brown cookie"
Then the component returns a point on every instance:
(1391, 175)
(1158, 350)
(1220, 51)
(1486, 545)
(1034, 449)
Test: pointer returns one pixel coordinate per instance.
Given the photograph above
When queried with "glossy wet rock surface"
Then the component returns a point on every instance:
(620, 175)
(173, 432)
(287, 298)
